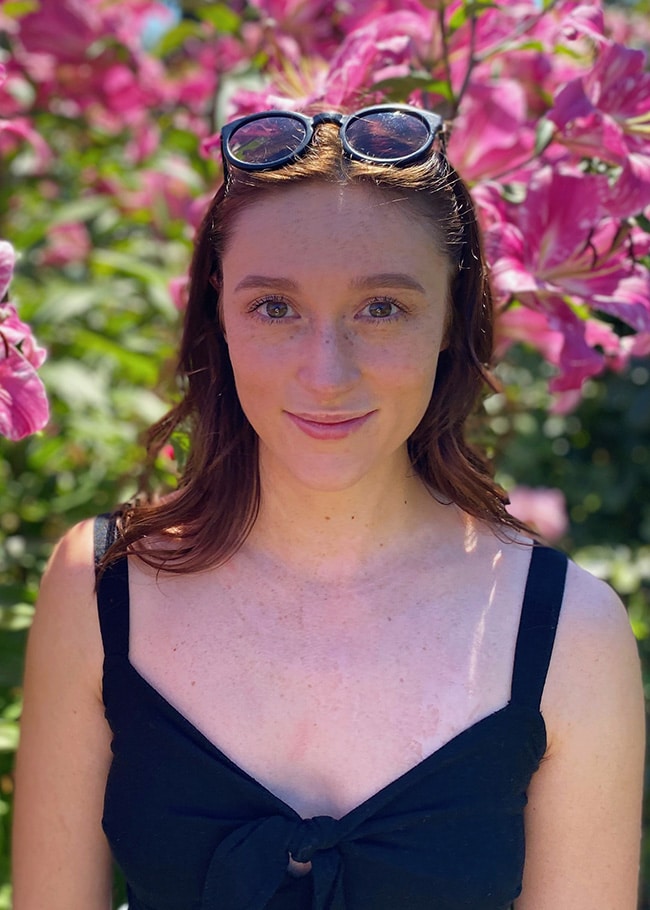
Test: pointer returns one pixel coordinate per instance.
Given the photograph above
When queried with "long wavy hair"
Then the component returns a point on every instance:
(205, 521)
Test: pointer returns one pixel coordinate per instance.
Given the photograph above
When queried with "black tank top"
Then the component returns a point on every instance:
(192, 831)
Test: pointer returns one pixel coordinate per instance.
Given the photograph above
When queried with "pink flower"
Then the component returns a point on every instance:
(388, 45)
(492, 134)
(389, 40)
(627, 27)
(17, 334)
(561, 241)
(63, 28)
(7, 263)
(14, 132)
(542, 508)
(559, 253)
(606, 113)
(23, 402)
(311, 24)
(178, 288)
(66, 243)
(166, 193)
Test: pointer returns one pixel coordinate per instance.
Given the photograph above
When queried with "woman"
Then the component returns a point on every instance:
(334, 674)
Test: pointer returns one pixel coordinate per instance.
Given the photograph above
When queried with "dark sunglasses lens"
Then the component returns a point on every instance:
(267, 140)
(387, 135)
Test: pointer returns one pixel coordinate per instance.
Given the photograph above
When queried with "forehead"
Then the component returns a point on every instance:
(331, 225)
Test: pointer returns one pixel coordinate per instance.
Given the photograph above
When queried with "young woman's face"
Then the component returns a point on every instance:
(334, 306)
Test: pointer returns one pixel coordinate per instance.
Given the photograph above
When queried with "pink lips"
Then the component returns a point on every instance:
(328, 426)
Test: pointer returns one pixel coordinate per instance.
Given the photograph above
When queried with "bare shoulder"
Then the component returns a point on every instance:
(583, 818)
(60, 856)
(595, 666)
(66, 611)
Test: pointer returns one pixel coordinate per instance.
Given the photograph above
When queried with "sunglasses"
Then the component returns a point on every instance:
(396, 134)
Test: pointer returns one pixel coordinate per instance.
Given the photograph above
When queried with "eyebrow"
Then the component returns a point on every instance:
(361, 283)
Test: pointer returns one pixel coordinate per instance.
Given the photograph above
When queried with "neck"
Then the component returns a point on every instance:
(340, 534)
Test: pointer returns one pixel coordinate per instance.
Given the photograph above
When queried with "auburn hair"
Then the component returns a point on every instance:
(208, 517)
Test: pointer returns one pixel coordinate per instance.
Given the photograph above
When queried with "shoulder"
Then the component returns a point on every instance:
(583, 817)
(66, 613)
(594, 676)
(71, 567)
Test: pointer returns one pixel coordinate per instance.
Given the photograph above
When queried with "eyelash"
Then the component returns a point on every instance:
(256, 307)
(382, 320)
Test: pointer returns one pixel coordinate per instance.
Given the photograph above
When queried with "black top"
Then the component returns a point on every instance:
(192, 831)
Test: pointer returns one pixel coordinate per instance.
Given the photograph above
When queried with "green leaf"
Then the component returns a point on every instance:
(8, 736)
(176, 37)
(400, 87)
(468, 10)
(643, 223)
(75, 383)
(514, 192)
(458, 18)
(15, 9)
(17, 617)
(83, 209)
(225, 20)
(543, 135)
(64, 304)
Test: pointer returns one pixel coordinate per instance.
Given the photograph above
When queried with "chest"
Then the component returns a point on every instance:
(326, 693)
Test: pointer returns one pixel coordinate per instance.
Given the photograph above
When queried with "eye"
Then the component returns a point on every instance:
(274, 309)
(382, 309)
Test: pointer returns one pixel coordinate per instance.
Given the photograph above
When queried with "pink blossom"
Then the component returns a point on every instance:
(491, 134)
(561, 241)
(542, 508)
(66, 243)
(166, 193)
(143, 143)
(17, 334)
(14, 132)
(178, 288)
(389, 44)
(606, 112)
(23, 402)
(311, 24)
(558, 251)
(587, 19)
(70, 51)
(625, 26)
(63, 28)
(389, 40)
(7, 263)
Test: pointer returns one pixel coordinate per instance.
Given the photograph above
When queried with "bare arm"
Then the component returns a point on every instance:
(583, 819)
(60, 856)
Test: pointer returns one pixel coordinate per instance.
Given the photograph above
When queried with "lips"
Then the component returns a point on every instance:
(329, 426)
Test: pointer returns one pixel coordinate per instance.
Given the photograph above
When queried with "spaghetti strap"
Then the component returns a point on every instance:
(112, 590)
(539, 618)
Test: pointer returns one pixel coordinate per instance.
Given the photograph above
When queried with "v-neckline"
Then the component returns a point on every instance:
(380, 796)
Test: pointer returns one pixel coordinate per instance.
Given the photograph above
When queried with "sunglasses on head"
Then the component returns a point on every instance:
(395, 134)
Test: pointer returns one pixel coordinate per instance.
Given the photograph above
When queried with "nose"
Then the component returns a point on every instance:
(330, 359)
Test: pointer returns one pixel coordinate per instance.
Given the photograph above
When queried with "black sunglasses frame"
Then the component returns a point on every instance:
(432, 121)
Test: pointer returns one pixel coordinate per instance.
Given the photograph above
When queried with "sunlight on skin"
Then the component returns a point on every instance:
(481, 626)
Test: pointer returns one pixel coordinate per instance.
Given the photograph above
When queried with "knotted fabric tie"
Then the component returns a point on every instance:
(249, 866)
